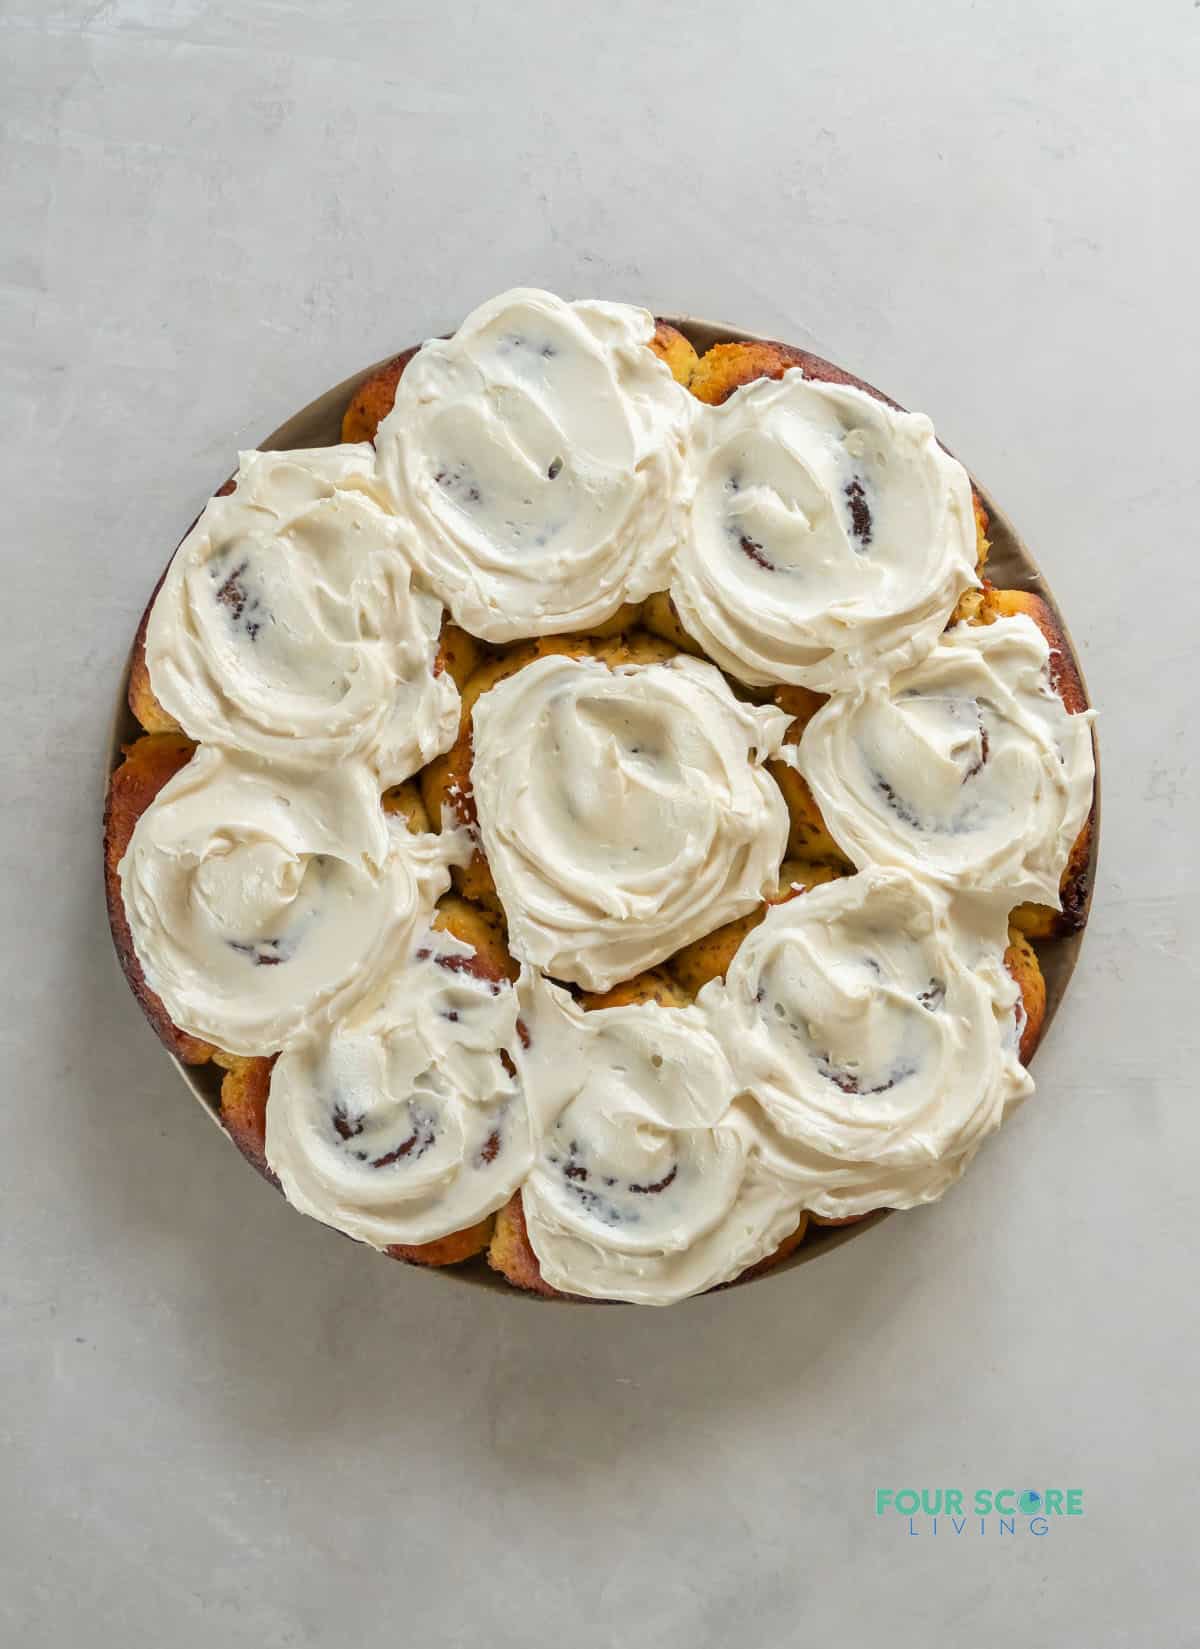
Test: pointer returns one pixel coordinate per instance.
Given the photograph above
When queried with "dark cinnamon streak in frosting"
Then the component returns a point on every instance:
(264, 953)
(419, 1140)
(861, 524)
(233, 595)
(753, 549)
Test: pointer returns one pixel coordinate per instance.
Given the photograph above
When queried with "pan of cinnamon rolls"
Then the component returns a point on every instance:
(602, 807)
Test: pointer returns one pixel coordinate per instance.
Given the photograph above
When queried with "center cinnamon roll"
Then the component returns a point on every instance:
(623, 812)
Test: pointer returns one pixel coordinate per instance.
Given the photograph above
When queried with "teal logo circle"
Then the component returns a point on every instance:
(1030, 1502)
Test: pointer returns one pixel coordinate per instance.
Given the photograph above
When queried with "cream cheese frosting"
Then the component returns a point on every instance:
(880, 1058)
(648, 1185)
(406, 1119)
(830, 536)
(541, 454)
(966, 769)
(624, 812)
(289, 624)
(259, 904)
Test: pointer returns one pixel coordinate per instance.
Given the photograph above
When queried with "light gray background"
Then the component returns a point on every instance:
(222, 1424)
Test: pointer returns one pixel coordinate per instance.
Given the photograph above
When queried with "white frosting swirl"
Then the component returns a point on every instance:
(623, 812)
(406, 1120)
(540, 453)
(288, 624)
(648, 1186)
(259, 904)
(831, 536)
(881, 1058)
(967, 768)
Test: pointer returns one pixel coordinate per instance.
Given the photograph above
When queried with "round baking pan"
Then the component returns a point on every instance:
(1010, 566)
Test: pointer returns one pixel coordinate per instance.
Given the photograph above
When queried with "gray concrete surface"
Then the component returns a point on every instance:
(222, 1424)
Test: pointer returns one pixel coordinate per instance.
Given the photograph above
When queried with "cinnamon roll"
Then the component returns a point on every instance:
(966, 769)
(243, 1096)
(623, 812)
(406, 1120)
(245, 1089)
(258, 905)
(831, 536)
(647, 1185)
(446, 785)
(880, 1058)
(541, 455)
(288, 624)
(726, 368)
(1029, 1013)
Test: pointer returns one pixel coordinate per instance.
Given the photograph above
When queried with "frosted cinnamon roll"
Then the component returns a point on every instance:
(541, 455)
(966, 769)
(288, 624)
(647, 1185)
(406, 1120)
(831, 536)
(623, 812)
(258, 905)
(880, 1058)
